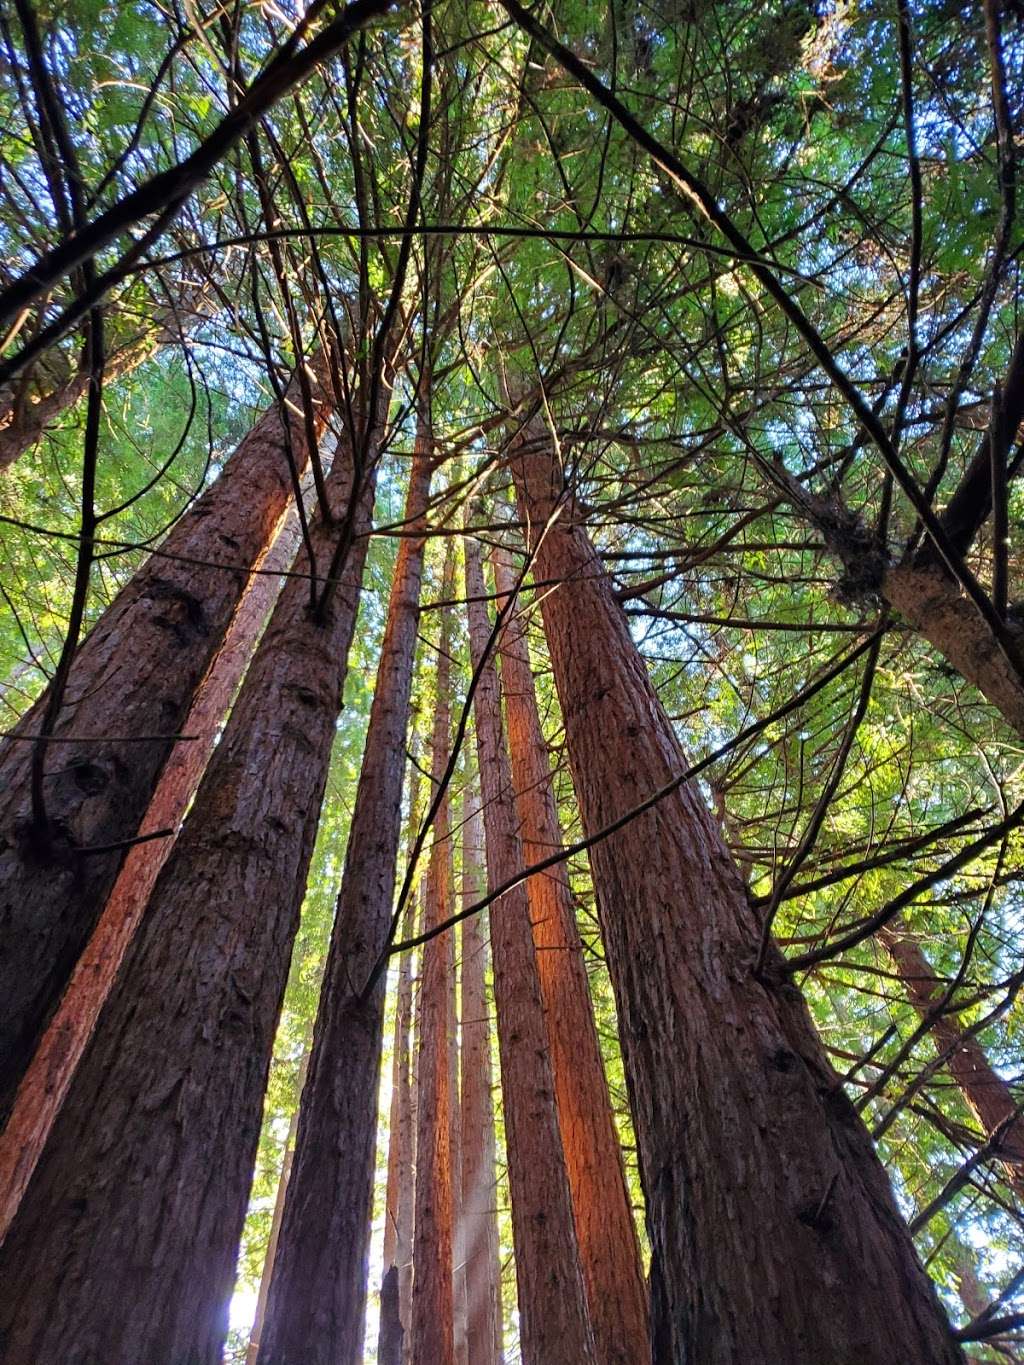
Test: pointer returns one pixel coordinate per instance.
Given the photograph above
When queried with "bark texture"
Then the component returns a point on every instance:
(479, 1177)
(394, 1298)
(124, 1246)
(933, 606)
(609, 1249)
(317, 1306)
(129, 691)
(432, 1340)
(554, 1324)
(46, 1080)
(765, 1200)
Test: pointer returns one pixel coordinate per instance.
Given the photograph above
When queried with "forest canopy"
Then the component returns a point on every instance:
(511, 632)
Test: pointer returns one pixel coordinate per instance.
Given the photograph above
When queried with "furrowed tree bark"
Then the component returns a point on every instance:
(609, 1249)
(46, 1081)
(317, 1306)
(432, 1340)
(124, 1247)
(479, 1177)
(130, 687)
(765, 1200)
(554, 1324)
(987, 1095)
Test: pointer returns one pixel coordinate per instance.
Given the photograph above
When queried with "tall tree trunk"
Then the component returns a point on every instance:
(460, 1306)
(479, 1178)
(552, 1301)
(394, 1304)
(765, 1199)
(46, 1080)
(259, 1317)
(317, 1306)
(124, 1246)
(609, 1249)
(432, 1340)
(986, 1093)
(130, 688)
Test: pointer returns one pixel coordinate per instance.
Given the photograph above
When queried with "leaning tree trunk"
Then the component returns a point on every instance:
(46, 1080)
(394, 1304)
(609, 1249)
(554, 1324)
(460, 1306)
(773, 1228)
(479, 1177)
(317, 1304)
(124, 1247)
(432, 1339)
(986, 1093)
(128, 693)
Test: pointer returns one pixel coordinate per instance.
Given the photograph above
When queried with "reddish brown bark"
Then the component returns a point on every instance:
(130, 687)
(479, 1212)
(124, 1246)
(552, 1302)
(986, 1093)
(609, 1249)
(766, 1204)
(317, 1306)
(46, 1081)
(431, 1335)
(394, 1297)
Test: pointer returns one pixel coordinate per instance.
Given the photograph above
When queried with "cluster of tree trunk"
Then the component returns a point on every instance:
(764, 1199)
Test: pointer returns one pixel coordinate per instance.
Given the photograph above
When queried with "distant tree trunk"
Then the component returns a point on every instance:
(52, 1067)
(479, 1178)
(774, 1233)
(317, 1307)
(986, 1093)
(125, 1243)
(432, 1339)
(394, 1304)
(460, 1305)
(609, 1249)
(554, 1325)
(252, 1350)
(130, 688)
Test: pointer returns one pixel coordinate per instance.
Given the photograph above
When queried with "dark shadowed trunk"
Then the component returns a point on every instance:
(46, 1080)
(552, 1302)
(317, 1306)
(479, 1177)
(609, 1249)
(124, 1247)
(765, 1200)
(431, 1335)
(130, 687)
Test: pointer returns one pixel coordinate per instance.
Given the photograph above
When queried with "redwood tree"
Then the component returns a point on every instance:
(129, 689)
(124, 1246)
(765, 1199)
(317, 1298)
(553, 1316)
(609, 1250)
